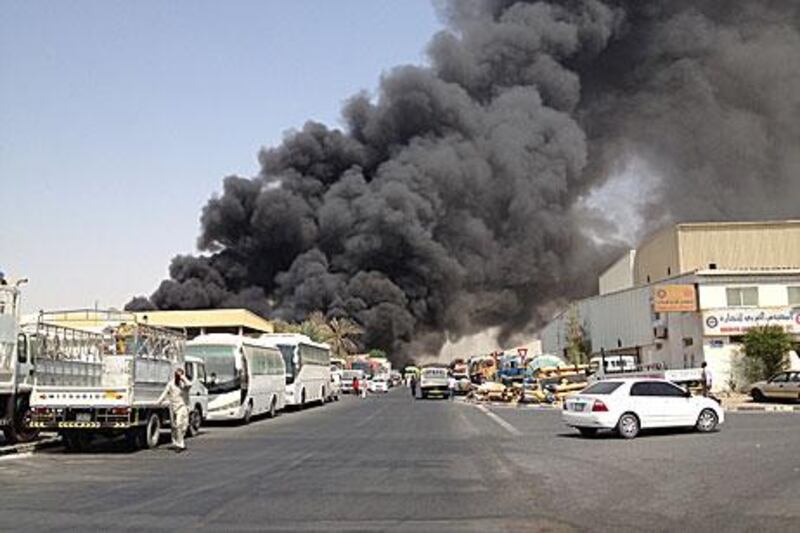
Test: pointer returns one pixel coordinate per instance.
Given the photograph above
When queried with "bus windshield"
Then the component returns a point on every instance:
(220, 362)
(288, 353)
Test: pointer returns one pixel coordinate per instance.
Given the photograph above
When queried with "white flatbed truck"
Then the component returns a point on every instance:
(102, 378)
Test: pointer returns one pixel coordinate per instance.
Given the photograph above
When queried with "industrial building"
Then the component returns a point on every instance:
(204, 321)
(193, 322)
(689, 294)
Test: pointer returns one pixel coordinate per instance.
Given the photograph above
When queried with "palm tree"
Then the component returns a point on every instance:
(315, 327)
(340, 336)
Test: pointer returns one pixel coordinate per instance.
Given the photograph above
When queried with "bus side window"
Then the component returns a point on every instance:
(22, 348)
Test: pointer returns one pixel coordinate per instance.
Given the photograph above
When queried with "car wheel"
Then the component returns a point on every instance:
(757, 395)
(588, 432)
(707, 421)
(628, 426)
(195, 421)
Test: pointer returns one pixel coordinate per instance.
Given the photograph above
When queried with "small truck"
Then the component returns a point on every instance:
(102, 373)
(433, 381)
(16, 368)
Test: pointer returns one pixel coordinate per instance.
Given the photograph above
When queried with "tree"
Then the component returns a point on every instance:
(578, 346)
(316, 328)
(766, 349)
(377, 353)
(342, 333)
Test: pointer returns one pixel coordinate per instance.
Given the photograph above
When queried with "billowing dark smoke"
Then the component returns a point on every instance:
(452, 202)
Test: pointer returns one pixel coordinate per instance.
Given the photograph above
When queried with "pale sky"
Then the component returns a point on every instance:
(118, 120)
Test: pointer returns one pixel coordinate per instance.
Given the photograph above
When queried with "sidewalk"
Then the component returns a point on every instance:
(47, 441)
(736, 402)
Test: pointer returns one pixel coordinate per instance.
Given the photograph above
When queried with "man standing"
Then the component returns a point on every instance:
(451, 386)
(177, 388)
(706, 379)
(413, 386)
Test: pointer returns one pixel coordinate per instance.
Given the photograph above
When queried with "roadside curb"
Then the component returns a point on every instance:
(29, 447)
(745, 408)
(763, 409)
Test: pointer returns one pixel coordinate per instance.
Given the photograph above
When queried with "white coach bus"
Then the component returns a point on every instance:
(244, 376)
(308, 368)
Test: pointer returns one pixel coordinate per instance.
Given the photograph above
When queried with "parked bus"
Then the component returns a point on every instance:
(244, 376)
(308, 368)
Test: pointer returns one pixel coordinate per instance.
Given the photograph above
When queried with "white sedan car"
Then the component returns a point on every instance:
(630, 405)
(378, 385)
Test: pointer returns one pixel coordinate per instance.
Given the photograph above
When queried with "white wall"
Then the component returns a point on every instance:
(769, 294)
(618, 276)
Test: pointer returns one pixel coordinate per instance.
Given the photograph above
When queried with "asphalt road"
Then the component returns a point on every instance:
(393, 463)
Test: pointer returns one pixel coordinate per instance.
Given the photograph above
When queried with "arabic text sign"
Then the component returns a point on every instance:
(739, 321)
(674, 298)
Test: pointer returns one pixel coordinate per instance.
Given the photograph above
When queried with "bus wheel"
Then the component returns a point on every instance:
(195, 421)
(273, 408)
(248, 413)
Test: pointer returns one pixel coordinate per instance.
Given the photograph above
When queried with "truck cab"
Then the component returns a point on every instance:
(16, 369)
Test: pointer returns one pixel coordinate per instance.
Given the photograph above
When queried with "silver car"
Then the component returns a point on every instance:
(781, 386)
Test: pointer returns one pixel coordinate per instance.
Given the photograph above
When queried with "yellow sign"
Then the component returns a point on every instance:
(674, 298)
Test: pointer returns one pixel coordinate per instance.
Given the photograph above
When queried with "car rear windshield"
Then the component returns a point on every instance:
(602, 387)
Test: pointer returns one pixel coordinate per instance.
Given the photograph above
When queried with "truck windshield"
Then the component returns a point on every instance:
(220, 363)
(288, 353)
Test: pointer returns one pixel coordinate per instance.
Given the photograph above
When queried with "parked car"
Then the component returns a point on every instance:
(630, 405)
(781, 386)
(378, 385)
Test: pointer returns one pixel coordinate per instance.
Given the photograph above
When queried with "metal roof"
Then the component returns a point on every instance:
(206, 318)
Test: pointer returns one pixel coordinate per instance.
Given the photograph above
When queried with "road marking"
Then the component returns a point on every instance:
(500, 422)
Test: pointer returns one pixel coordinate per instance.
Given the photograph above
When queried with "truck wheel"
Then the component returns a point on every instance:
(151, 432)
(195, 421)
(19, 431)
(134, 439)
(75, 442)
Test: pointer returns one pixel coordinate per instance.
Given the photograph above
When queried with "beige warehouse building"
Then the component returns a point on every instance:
(740, 274)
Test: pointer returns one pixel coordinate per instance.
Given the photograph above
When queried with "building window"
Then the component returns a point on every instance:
(742, 297)
(794, 295)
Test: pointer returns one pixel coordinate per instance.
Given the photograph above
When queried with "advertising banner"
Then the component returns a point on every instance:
(674, 298)
(739, 321)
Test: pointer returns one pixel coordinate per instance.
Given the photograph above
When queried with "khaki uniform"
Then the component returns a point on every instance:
(177, 397)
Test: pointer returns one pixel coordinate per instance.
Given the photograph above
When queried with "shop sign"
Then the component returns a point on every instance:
(740, 321)
(674, 298)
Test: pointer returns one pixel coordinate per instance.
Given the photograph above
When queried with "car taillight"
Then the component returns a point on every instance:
(599, 407)
(120, 411)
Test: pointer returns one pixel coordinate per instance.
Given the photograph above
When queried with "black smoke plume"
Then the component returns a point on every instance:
(455, 199)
